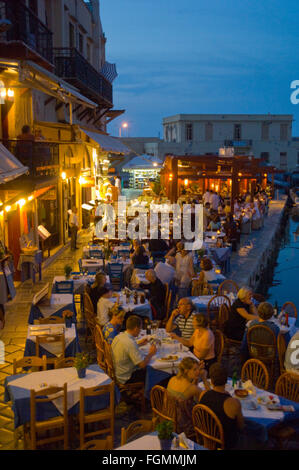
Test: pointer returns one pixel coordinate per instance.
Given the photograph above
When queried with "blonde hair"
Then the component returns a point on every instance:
(243, 292)
(185, 365)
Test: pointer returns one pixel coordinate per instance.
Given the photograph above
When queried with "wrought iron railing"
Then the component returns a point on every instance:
(238, 143)
(26, 27)
(41, 157)
(72, 66)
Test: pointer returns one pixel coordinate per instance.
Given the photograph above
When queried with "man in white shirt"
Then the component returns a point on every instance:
(165, 271)
(117, 183)
(206, 197)
(74, 226)
(215, 201)
(104, 304)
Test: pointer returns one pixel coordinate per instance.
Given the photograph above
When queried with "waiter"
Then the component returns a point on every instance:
(74, 226)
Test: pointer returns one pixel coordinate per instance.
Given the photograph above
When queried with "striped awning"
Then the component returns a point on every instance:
(10, 167)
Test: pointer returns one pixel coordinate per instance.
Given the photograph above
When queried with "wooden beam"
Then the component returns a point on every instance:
(49, 100)
(77, 107)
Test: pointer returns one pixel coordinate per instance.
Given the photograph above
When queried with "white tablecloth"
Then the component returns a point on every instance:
(53, 329)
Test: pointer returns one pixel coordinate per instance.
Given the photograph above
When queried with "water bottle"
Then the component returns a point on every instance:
(234, 379)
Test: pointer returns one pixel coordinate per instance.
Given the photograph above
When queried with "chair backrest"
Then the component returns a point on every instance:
(98, 444)
(99, 342)
(163, 405)
(281, 349)
(115, 271)
(88, 303)
(290, 309)
(29, 362)
(40, 398)
(46, 339)
(287, 386)
(63, 362)
(261, 343)
(109, 361)
(124, 253)
(219, 344)
(208, 428)
(228, 286)
(136, 430)
(214, 305)
(50, 320)
(103, 415)
(96, 254)
(257, 372)
(223, 315)
(64, 287)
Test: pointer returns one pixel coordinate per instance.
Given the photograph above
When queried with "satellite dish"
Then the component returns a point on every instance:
(5, 25)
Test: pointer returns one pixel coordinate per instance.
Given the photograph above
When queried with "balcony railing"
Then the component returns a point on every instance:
(41, 157)
(25, 27)
(238, 143)
(73, 67)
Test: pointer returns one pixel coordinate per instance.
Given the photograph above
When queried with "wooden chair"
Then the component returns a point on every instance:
(63, 362)
(257, 372)
(281, 349)
(106, 414)
(163, 405)
(50, 320)
(90, 318)
(213, 309)
(135, 430)
(137, 387)
(223, 316)
(98, 444)
(99, 343)
(219, 344)
(290, 309)
(46, 339)
(227, 287)
(208, 428)
(262, 345)
(287, 386)
(29, 362)
(38, 399)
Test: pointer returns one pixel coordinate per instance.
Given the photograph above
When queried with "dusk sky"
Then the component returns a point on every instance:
(200, 56)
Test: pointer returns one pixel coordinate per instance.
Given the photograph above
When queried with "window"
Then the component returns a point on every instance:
(71, 35)
(265, 156)
(80, 45)
(209, 131)
(283, 132)
(265, 131)
(237, 132)
(283, 161)
(189, 132)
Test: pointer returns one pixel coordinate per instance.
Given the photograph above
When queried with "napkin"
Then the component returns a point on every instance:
(248, 385)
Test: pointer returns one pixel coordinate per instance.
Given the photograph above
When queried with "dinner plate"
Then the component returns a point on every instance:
(169, 358)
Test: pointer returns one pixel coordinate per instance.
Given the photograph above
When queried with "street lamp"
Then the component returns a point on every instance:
(124, 126)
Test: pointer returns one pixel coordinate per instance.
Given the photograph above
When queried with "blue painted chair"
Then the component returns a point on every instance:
(96, 254)
(115, 271)
(125, 244)
(64, 287)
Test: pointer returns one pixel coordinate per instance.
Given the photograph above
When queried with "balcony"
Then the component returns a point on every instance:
(75, 69)
(42, 158)
(27, 38)
(238, 143)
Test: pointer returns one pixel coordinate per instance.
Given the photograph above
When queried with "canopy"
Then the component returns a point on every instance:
(143, 162)
(10, 167)
(108, 143)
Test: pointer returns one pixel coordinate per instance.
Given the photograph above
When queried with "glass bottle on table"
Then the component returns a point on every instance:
(234, 379)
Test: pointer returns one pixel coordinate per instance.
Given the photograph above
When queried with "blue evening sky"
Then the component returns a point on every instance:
(200, 56)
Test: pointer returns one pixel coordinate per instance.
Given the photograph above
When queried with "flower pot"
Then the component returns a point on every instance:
(81, 373)
(68, 322)
(165, 444)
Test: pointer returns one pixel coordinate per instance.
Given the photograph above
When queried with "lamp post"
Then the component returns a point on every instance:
(124, 126)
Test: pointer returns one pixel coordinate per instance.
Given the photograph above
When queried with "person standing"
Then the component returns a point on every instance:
(74, 226)
(117, 184)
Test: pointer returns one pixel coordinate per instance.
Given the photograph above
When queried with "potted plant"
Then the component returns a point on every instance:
(81, 362)
(67, 271)
(68, 316)
(165, 434)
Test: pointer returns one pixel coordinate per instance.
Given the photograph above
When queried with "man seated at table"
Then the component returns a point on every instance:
(113, 326)
(104, 304)
(238, 432)
(166, 271)
(156, 292)
(129, 363)
(181, 319)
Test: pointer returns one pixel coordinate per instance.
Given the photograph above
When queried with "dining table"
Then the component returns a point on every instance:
(17, 390)
(151, 441)
(55, 305)
(140, 309)
(50, 349)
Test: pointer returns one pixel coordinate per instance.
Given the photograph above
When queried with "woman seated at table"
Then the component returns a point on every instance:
(265, 313)
(140, 257)
(207, 273)
(104, 304)
(202, 341)
(96, 289)
(113, 326)
(241, 311)
(184, 387)
(215, 223)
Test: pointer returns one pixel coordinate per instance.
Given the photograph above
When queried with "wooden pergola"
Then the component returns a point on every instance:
(239, 174)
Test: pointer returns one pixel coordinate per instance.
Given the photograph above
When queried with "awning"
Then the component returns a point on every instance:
(142, 163)
(108, 143)
(35, 76)
(10, 167)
